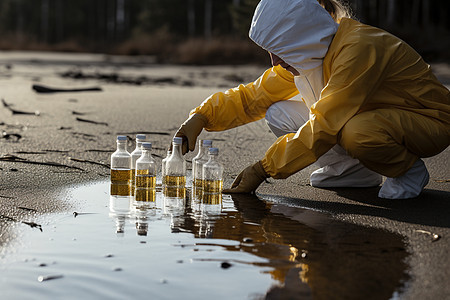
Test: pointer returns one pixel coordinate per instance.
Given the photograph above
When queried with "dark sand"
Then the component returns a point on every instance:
(138, 96)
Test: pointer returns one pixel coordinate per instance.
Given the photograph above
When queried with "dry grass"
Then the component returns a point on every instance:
(223, 50)
(165, 47)
(23, 42)
(197, 51)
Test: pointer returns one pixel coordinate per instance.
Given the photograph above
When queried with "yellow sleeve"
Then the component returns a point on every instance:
(247, 103)
(355, 74)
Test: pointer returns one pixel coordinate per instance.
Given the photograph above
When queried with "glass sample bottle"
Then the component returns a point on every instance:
(135, 155)
(163, 166)
(121, 162)
(146, 168)
(212, 174)
(198, 161)
(175, 170)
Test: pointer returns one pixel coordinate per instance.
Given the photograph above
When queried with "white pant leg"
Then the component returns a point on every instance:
(285, 117)
(337, 168)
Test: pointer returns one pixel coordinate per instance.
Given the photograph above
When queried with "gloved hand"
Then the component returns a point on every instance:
(190, 130)
(248, 180)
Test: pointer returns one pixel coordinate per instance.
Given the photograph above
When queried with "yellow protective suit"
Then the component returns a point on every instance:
(381, 102)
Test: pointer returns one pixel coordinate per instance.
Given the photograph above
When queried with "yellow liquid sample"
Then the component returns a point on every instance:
(198, 183)
(145, 181)
(175, 180)
(120, 175)
(145, 195)
(212, 198)
(120, 189)
(132, 183)
(212, 186)
(197, 192)
(175, 192)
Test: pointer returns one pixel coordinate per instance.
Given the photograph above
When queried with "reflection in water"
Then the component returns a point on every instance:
(334, 259)
(205, 209)
(174, 206)
(119, 205)
(144, 208)
(309, 254)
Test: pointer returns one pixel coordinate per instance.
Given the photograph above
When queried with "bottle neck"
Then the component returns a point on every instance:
(122, 145)
(176, 150)
(146, 153)
(204, 150)
(212, 157)
(138, 145)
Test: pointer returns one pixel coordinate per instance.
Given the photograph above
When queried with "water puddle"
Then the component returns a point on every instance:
(240, 247)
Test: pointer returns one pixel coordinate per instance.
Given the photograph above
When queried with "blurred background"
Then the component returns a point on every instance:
(194, 31)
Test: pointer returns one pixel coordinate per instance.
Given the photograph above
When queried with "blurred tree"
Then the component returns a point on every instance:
(191, 17)
(241, 14)
(101, 24)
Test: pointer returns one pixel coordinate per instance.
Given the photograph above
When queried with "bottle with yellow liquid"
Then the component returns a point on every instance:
(145, 176)
(175, 169)
(198, 162)
(212, 174)
(135, 155)
(163, 166)
(121, 168)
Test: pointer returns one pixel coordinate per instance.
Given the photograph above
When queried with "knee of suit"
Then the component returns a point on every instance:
(287, 116)
(361, 135)
(368, 141)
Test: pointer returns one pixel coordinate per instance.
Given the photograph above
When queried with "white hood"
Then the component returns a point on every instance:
(298, 31)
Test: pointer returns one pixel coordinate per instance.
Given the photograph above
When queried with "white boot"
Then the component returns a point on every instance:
(338, 169)
(409, 185)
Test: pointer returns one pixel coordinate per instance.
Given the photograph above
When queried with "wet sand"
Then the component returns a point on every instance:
(52, 140)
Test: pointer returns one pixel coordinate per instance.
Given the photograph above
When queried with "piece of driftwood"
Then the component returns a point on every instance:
(46, 89)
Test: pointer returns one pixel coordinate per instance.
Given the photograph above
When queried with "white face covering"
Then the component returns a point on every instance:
(310, 84)
(298, 31)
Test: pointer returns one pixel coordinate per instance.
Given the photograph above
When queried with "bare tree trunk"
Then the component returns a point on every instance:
(415, 12)
(208, 19)
(360, 10)
(426, 14)
(444, 15)
(191, 17)
(110, 19)
(391, 12)
(120, 18)
(126, 16)
(381, 14)
(20, 19)
(373, 11)
(59, 7)
(44, 20)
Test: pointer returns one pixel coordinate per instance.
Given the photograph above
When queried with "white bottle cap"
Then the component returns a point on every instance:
(213, 151)
(207, 143)
(177, 140)
(147, 146)
(141, 137)
(121, 137)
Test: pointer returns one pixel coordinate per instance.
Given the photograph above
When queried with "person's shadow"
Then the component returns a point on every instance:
(431, 208)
